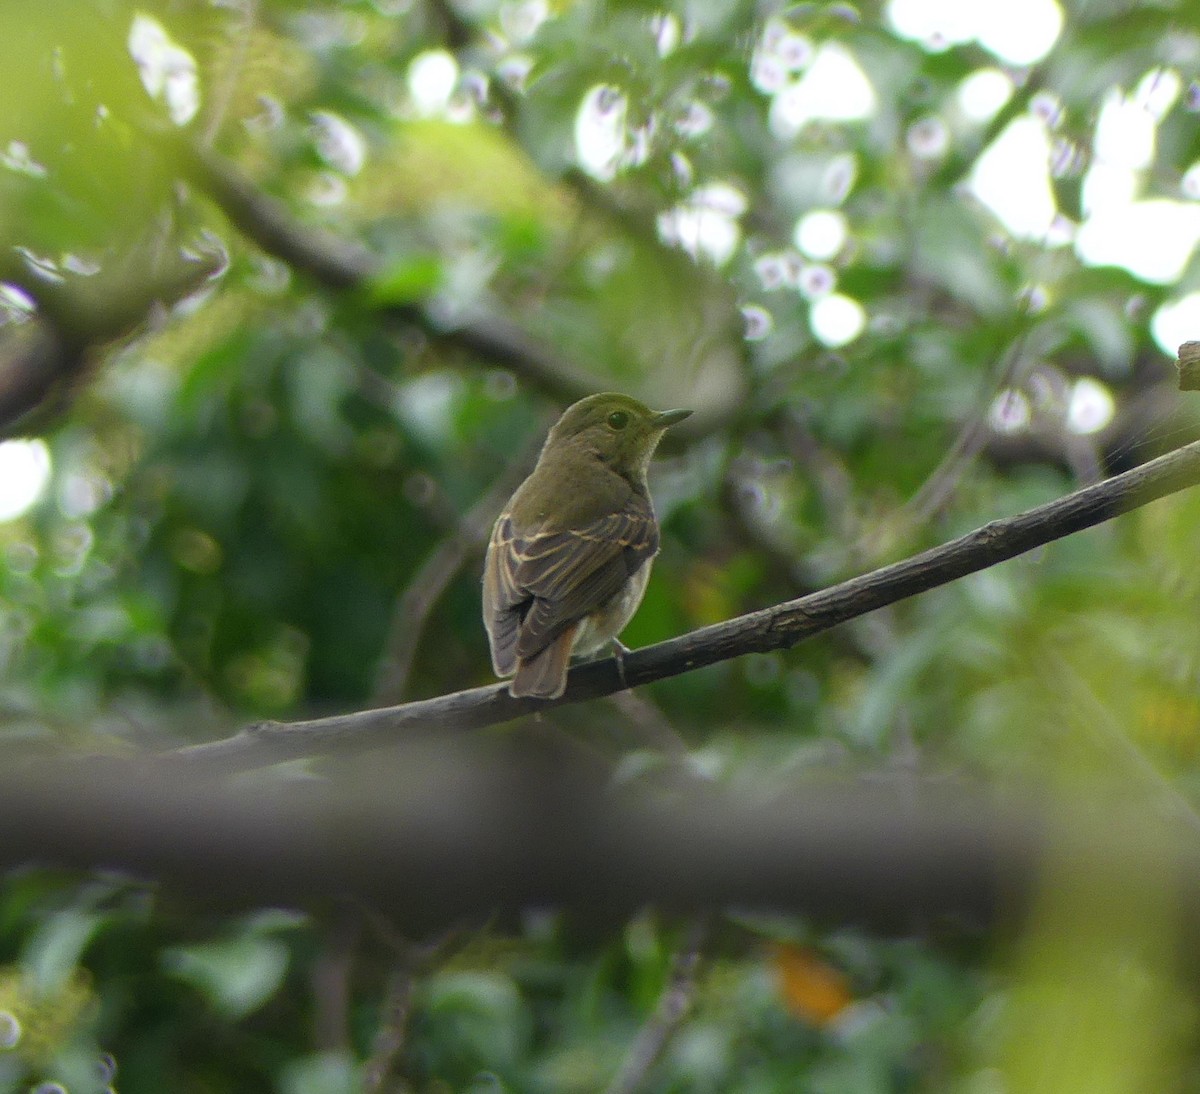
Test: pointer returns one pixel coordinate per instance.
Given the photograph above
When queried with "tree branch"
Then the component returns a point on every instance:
(672, 1008)
(331, 972)
(456, 833)
(388, 1042)
(778, 627)
(37, 364)
(42, 359)
(344, 266)
(387, 1046)
(936, 491)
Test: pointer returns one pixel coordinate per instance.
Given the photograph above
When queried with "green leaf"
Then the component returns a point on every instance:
(406, 281)
(324, 1073)
(54, 950)
(237, 976)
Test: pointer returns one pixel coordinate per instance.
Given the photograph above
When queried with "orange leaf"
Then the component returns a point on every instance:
(812, 989)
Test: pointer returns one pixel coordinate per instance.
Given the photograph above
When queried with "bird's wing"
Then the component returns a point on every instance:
(503, 601)
(546, 581)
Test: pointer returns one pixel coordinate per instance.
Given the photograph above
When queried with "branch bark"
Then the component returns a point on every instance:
(778, 627)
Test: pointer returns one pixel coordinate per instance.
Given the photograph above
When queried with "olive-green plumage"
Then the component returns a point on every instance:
(570, 555)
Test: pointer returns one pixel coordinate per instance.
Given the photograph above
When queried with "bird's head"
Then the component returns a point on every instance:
(615, 428)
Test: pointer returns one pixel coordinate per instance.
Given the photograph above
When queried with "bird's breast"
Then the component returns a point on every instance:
(606, 622)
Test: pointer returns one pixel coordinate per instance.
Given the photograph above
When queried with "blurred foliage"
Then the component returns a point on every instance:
(242, 490)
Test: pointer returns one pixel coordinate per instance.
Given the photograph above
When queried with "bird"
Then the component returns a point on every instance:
(569, 556)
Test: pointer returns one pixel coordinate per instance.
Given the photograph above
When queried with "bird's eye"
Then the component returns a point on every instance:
(618, 419)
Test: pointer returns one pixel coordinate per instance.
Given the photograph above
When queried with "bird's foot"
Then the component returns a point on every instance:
(619, 651)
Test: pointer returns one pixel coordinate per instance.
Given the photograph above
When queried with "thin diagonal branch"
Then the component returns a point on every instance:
(331, 974)
(774, 628)
(938, 488)
(239, 33)
(672, 1008)
(392, 1032)
(387, 1046)
(345, 266)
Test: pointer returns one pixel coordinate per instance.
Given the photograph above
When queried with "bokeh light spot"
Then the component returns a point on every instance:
(168, 71)
(1176, 322)
(1091, 406)
(600, 136)
(821, 233)
(24, 473)
(432, 78)
(1019, 32)
(983, 94)
(1012, 178)
(837, 319)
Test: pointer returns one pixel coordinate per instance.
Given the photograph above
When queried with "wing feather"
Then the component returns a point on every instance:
(540, 584)
(502, 599)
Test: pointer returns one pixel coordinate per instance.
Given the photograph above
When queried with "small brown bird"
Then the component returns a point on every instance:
(570, 555)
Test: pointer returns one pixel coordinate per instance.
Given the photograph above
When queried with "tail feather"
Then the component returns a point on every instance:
(544, 676)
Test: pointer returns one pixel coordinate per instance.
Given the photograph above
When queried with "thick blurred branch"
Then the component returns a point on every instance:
(443, 833)
(778, 627)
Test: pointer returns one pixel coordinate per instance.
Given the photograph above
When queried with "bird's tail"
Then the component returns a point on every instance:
(544, 675)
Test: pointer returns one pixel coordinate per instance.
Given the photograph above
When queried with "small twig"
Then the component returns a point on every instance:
(412, 612)
(392, 1030)
(790, 571)
(1082, 455)
(331, 981)
(739, 494)
(833, 482)
(652, 726)
(668, 1016)
(413, 960)
(1099, 718)
(936, 491)
(238, 35)
(868, 638)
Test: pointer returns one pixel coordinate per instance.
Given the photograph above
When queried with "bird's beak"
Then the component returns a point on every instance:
(665, 418)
